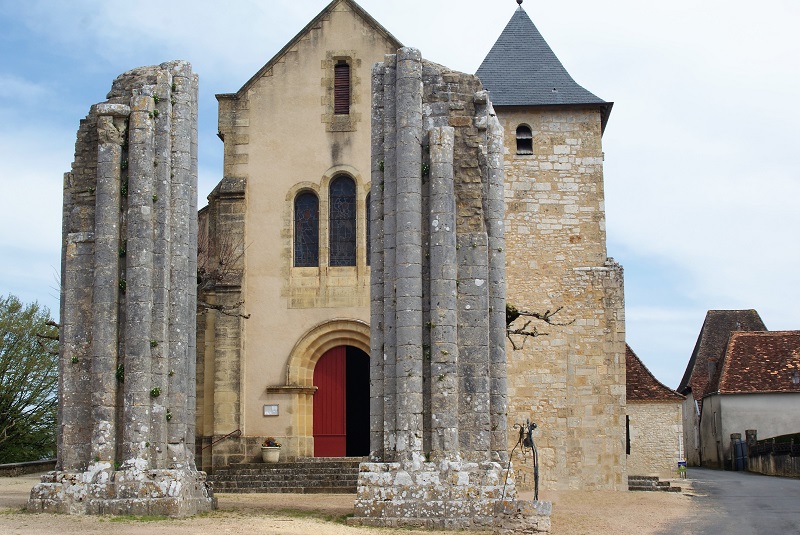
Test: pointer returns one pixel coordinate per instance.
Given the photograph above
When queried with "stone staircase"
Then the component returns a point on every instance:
(308, 475)
(650, 483)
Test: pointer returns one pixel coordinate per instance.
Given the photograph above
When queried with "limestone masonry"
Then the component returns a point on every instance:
(276, 216)
(438, 399)
(128, 304)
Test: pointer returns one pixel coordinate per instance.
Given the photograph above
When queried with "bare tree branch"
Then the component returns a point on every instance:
(218, 264)
(228, 310)
(513, 313)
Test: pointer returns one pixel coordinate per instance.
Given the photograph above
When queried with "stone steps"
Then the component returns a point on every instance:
(651, 484)
(311, 475)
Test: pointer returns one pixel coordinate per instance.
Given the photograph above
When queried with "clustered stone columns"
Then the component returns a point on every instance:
(128, 305)
(438, 376)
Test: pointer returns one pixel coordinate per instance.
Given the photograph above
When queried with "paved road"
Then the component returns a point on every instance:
(741, 503)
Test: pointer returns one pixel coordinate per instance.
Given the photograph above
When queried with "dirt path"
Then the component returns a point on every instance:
(574, 513)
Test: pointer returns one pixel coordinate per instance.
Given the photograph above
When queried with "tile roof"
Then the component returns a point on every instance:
(522, 70)
(641, 385)
(759, 362)
(702, 372)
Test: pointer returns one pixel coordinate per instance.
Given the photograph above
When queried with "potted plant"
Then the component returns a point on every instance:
(270, 450)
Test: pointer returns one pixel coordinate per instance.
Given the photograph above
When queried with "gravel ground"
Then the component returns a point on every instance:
(574, 513)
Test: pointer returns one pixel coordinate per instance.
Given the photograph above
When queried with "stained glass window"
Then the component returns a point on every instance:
(369, 228)
(343, 221)
(306, 230)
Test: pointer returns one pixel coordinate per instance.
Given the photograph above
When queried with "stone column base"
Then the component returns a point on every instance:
(445, 495)
(102, 491)
(524, 517)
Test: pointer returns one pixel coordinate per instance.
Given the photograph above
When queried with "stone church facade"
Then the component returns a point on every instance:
(282, 347)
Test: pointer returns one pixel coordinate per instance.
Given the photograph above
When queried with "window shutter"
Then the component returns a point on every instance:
(341, 89)
(524, 140)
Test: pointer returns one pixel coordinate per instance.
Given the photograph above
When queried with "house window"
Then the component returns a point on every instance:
(369, 228)
(524, 139)
(341, 88)
(306, 230)
(342, 221)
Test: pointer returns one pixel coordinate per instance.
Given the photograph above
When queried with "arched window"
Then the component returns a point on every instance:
(306, 230)
(368, 227)
(524, 139)
(341, 88)
(342, 221)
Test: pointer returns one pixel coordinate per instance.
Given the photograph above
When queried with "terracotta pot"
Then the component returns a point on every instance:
(270, 454)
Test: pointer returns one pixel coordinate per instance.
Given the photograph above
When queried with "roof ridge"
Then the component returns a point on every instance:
(369, 19)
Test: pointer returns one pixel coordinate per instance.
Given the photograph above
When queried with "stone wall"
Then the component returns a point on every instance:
(220, 324)
(281, 139)
(691, 431)
(126, 426)
(656, 432)
(571, 382)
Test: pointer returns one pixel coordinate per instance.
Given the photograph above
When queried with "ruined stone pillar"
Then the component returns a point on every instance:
(111, 131)
(495, 214)
(444, 288)
(139, 387)
(183, 298)
(377, 402)
(389, 163)
(126, 406)
(442, 416)
(408, 255)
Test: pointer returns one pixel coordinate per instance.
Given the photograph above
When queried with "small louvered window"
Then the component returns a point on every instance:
(341, 88)
(524, 139)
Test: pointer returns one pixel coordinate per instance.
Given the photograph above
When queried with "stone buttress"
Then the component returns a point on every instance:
(128, 306)
(438, 364)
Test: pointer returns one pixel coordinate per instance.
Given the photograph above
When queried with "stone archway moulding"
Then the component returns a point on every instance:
(319, 339)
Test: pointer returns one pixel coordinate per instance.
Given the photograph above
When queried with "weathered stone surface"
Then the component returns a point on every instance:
(438, 374)
(126, 391)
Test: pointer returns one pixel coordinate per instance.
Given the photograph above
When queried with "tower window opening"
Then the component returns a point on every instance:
(524, 139)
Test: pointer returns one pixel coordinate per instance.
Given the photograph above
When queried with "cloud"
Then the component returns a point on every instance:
(30, 209)
(700, 174)
(14, 89)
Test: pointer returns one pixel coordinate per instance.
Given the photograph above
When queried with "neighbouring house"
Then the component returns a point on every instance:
(289, 224)
(655, 426)
(702, 372)
(758, 387)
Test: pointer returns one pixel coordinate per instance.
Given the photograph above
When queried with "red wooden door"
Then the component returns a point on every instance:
(330, 410)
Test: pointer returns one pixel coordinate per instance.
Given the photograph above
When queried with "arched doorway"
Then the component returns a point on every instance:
(341, 403)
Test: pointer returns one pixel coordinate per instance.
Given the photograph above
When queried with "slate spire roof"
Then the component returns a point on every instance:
(522, 70)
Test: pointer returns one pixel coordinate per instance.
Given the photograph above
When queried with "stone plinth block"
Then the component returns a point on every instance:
(445, 495)
(102, 491)
(522, 517)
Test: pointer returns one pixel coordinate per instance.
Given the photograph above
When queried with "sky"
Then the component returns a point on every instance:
(702, 149)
